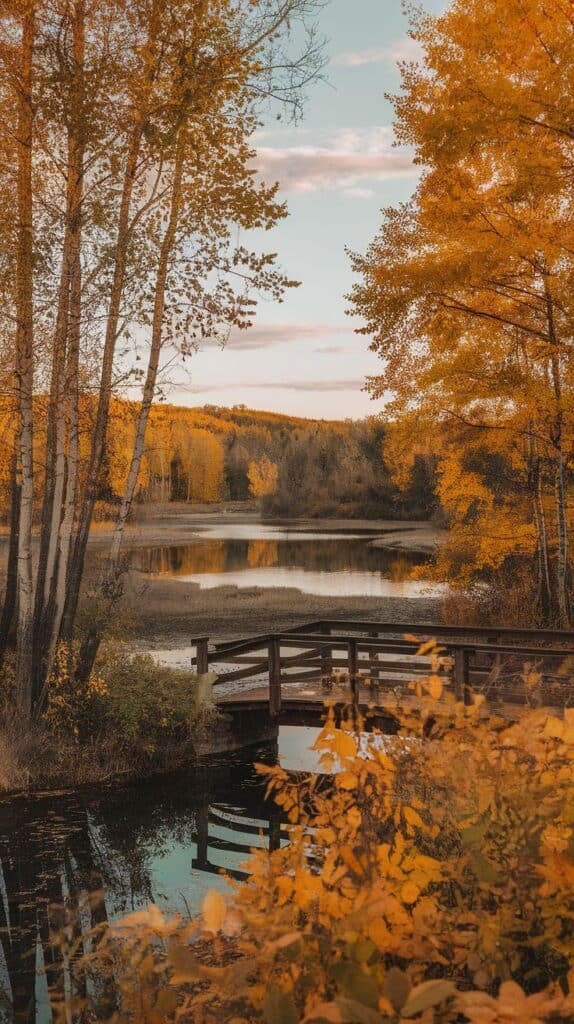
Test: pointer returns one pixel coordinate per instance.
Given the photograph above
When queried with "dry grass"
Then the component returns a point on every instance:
(24, 752)
(34, 758)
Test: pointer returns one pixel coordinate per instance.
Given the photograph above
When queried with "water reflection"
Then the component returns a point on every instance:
(103, 854)
(338, 566)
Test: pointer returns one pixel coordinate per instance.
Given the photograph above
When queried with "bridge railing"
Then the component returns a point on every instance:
(497, 662)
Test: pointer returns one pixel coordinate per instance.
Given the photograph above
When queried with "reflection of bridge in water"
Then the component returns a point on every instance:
(216, 820)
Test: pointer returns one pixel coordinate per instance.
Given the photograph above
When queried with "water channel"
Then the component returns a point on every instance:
(165, 840)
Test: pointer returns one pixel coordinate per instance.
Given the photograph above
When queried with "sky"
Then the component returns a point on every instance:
(337, 170)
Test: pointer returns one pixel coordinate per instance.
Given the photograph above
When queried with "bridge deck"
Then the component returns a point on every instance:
(384, 701)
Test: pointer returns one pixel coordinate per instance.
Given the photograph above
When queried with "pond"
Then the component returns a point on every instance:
(323, 562)
(103, 854)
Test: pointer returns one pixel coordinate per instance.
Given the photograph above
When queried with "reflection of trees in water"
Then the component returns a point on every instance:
(401, 568)
(46, 864)
(261, 554)
(95, 856)
(219, 556)
(205, 556)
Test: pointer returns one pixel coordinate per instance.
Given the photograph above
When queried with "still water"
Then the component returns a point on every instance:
(164, 840)
(326, 563)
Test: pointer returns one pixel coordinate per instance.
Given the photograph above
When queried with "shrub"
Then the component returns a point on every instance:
(132, 716)
(147, 702)
(429, 876)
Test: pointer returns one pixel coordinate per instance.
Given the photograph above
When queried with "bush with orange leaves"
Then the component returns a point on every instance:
(429, 877)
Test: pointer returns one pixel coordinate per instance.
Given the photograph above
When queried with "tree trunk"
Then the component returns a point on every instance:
(545, 595)
(62, 439)
(562, 557)
(25, 363)
(90, 648)
(11, 591)
(562, 562)
(112, 328)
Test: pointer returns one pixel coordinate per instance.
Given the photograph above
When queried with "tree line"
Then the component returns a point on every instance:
(288, 465)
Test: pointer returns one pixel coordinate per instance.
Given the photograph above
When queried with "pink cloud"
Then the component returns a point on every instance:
(347, 384)
(346, 161)
(263, 335)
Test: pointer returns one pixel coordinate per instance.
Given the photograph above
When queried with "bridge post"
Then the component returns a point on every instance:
(354, 670)
(374, 674)
(461, 674)
(201, 654)
(326, 660)
(274, 829)
(274, 677)
(202, 833)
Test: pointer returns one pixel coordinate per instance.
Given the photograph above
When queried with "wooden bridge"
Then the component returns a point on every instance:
(374, 662)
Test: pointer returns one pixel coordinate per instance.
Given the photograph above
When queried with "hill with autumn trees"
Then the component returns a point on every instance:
(289, 465)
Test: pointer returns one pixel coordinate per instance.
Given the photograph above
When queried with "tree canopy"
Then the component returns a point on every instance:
(467, 288)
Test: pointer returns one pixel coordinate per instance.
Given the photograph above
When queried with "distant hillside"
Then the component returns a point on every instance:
(294, 466)
(291, 465)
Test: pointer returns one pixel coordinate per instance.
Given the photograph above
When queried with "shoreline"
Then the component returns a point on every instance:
(167, 611)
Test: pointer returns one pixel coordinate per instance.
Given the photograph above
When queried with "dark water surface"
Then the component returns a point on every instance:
(327, 563)
(106, 853)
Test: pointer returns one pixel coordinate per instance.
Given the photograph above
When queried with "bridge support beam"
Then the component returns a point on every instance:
(201, 654)
(274, 677)
(326, 661)
(461, 675)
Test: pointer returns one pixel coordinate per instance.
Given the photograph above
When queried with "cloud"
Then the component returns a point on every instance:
(399, 50)
(334, 350)
(262, 336)
(347, 384)
(359, 193)
(347, 160)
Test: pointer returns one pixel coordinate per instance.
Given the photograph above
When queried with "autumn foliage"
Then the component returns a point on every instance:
(209, 454)
(428, 876)
(467, 289)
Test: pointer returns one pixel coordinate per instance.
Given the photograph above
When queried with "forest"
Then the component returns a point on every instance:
(288, 466)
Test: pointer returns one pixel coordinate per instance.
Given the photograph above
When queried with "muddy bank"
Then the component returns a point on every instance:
(166, 612)
(422, 537)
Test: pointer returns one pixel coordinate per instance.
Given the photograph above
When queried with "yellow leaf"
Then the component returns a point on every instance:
(428, 994)
(347, 780)
(410, 893)
(285, 889)
(344, 745)
(412, 817)
(435, 687)
(214, 910)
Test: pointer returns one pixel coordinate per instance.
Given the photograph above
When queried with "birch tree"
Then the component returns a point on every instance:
(130, 124)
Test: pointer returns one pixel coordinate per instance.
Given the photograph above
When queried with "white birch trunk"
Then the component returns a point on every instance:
(25, 364)
(155, 350)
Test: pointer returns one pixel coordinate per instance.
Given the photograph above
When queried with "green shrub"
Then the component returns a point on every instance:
(147, 703)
